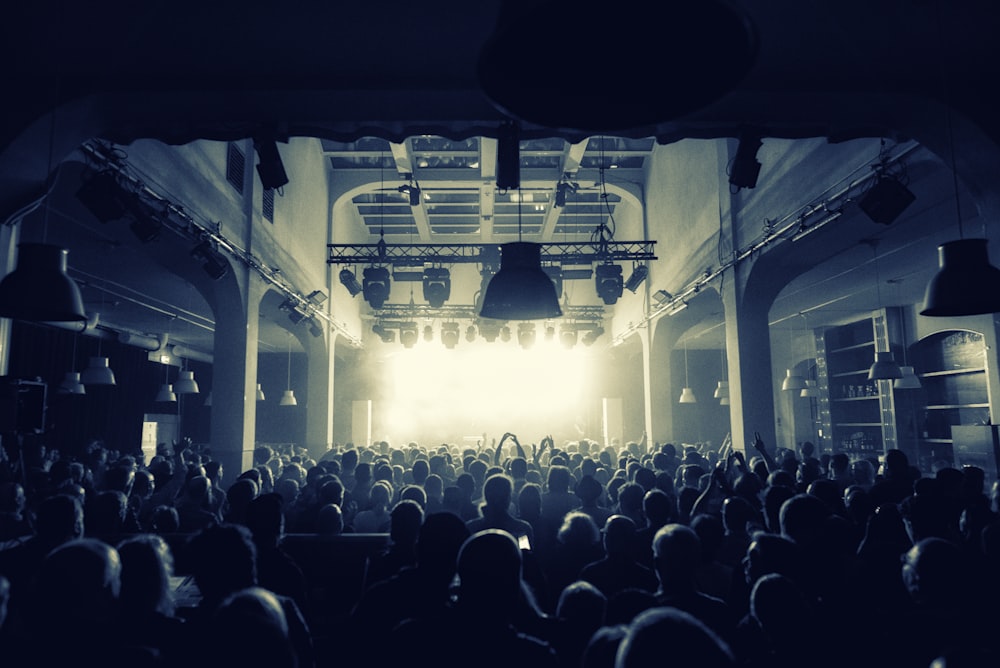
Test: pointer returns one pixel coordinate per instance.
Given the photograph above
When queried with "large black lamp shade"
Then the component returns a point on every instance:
(965, 284)
(39, 288)
(521, 290)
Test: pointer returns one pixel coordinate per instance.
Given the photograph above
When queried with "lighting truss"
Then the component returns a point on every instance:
(586, 315)
(415, 255)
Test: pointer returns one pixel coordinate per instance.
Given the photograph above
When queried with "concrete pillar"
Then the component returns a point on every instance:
(748, 351)
(319, 380)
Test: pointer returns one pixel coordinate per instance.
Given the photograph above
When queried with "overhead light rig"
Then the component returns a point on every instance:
(415, 255)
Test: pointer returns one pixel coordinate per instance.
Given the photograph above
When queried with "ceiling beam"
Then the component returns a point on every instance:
(570, 166)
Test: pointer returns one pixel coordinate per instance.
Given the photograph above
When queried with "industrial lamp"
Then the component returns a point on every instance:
(965, 284)
(793, 381)
(526, 334)
(521, 290)
(288, 397)
(39, 288)
(98, 372)
(186, 384)
(687, 394)
(166, 393)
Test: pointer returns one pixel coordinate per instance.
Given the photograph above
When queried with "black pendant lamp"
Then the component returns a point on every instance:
(39, 288)
(520, 290)
(965, 284)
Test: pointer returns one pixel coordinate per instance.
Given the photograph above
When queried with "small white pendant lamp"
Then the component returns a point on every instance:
(687, 394)
(288, 397)
(98, 372)
(71, 384)
(166, 393)
(810, 389)
(260, 393)
(186, 384)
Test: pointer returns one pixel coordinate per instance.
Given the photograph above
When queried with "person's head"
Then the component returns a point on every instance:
(770, 553)
(497, 492)
(106, 514)
(241, 493)
(287, 489)
(434, 486)
(781, 609)
(265, 518)
(331, 491)
(676, 555)
(147, 564)
(659, 507)
(737, 513)
(330, 520)
(711, 534)
(78, 583)
(404, 522)
(603, 645)
(489, 570)
(589, 490)
(223, 560)
(165, 519)
(619, 535)
(518, 468)
(803, 518)
(119, 478)
(578, 529)
(559, 479)
(250, 629)
(582, 606)
(381, 494)
(416, 494)
(669, 632)
(630, 496)
(935, 574)
(421, 469)
(529, 501)
(440, 538)
(60, 518)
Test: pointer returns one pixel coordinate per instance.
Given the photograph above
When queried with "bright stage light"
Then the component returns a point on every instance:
(435, 393)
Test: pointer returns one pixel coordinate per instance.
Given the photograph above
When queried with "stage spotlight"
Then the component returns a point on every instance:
(563, 189)
(428, 333)
(505, 333)
(489, 330)
(376, 286)
(316, 296)
(269, 167)
(567, 336)
(745, 168)
(609, 282)
(449, 334)
(408, 334)
(350, 281)
(437, 286)
(213, 262)
(315, 328)
(412, 191)
(102, 196)
(635, 279)
(470, 333)
(526, 335)
(387, 335)
(885, 201)
(550, 333)
(592, 335)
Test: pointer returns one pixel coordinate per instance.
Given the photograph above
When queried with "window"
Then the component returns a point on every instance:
(267, 204)
(235, 164)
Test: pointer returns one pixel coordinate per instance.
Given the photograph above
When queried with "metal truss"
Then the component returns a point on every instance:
(395, 314)
(416, 255)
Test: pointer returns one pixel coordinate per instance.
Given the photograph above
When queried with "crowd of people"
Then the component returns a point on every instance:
(575, 555)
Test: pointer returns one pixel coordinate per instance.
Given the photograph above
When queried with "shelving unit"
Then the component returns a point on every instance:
(858, 414)
(951, 367)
